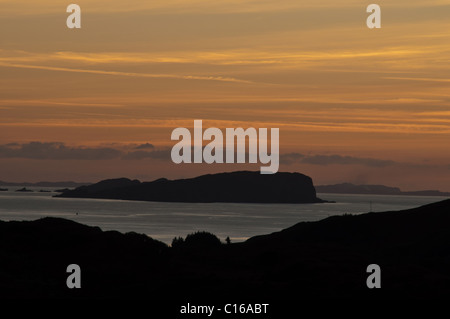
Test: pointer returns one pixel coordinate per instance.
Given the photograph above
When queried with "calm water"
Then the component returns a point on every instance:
(164, 221)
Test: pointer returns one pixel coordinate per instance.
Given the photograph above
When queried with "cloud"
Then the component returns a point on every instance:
(345, 160)
(60, 151)
(417, 79)
(23, 59)
(163, 154)
(127, 74)
(145, 146)
(27, 7)
(334, 159)
(56, 151)
(291, 158)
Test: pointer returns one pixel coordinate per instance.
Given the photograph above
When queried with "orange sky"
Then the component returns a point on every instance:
(359, 105)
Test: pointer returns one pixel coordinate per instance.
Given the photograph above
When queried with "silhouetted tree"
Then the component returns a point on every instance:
(177, 242)
(203, 239)
(228, 240)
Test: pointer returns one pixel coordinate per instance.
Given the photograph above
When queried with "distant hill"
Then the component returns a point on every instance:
(45, 184)
(348, 188)
(235, 187)
(310, 260)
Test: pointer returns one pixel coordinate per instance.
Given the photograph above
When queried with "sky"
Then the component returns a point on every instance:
(353, 104)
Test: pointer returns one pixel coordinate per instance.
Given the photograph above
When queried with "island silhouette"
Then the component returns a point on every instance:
(349, 188)
(44, 184)
(236, 187)
(24, 190)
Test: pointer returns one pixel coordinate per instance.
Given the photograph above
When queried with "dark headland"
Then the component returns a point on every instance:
(310, 260)
(235, 187)
(24, 189)
(348, 188)
(44, 184)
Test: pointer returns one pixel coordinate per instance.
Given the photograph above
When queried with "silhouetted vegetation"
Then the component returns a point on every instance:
(177, 242)
(200, 239)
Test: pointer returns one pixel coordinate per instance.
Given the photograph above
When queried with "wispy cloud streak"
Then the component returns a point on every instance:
(128, 74)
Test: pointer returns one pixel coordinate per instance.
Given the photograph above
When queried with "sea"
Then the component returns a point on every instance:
(164, 221)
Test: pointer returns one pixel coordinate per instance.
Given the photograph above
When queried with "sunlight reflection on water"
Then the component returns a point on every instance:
(164, 221)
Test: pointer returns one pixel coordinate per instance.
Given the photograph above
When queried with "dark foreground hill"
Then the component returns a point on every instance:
(311, 260)
(236, 187)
